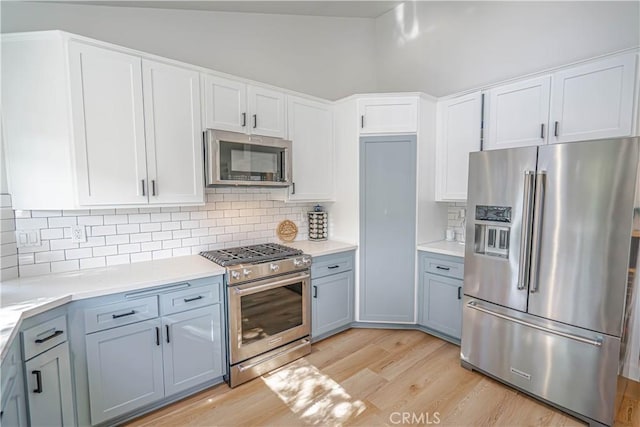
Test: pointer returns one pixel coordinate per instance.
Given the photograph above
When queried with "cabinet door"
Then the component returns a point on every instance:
(311, 131)
(108, 121)
(594, 100)
(332, 298)
(125, 369)
(388, 115)
(192, 348)
(49, 388)
(174, 133)
(517, 114)
(442, 304)
(13, 411)
(225, 105)
(458, 134)
(267, 112)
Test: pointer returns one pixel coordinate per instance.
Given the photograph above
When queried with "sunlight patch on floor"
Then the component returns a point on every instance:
(313, 396)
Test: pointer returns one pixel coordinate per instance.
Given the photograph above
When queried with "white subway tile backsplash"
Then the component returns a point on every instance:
(51, 233)
(151, 246)
(61, 266)
(104, 230)
(153, 226)
(129, 248)
(231, 217)
(118, 259)
(117, 240)
(105, 250)
(93, 262)
(34, 269)
(49, 256)
(139, 218)
(63, 221)
(115, 219)
(141, 257)
(128, 228)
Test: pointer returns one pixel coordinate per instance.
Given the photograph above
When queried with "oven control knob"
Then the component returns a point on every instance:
(274, 267)
(235, 275)
(246, 272)
(297, 262)
(306, 261)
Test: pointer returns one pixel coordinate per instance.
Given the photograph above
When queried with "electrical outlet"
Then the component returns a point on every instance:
(462, 213)
(78, 234)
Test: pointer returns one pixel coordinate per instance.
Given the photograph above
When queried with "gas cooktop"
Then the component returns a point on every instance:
(250, 254)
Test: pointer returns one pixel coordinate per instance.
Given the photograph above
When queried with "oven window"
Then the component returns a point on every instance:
(270, 312)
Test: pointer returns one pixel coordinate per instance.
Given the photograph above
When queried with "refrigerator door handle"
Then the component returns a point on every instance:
(595, 342)
(538, 207)
(525, 239)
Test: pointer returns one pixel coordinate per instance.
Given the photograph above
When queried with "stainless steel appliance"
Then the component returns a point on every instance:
(233, 158)
(546, 263)
(268, 307)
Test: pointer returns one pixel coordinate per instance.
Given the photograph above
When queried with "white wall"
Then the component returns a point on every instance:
(322, 56)
(445, 47)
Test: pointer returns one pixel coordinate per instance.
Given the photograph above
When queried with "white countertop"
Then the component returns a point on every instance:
(443, 247)
(324, 247)
(25, 297)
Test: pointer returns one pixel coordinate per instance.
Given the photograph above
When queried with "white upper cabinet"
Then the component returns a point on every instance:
(457, 134)
(173, 133)
(388, 115)
(311, 133)
(104, 126)
(593, 101)
(108, 126)
(267, 111)
(517, 114)
(237, 107)
(225, 106)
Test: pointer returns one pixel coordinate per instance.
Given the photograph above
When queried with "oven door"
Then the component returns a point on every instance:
(267, 314)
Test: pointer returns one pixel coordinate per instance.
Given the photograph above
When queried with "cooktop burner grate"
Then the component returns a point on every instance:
(250, 254)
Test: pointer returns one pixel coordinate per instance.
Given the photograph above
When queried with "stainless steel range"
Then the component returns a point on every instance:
(268, 305)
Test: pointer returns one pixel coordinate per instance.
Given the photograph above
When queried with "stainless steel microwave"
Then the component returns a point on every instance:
(233, 158)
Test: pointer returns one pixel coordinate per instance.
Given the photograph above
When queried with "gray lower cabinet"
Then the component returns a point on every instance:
(441, 294)
(125, 369)
(132, 363)
(332, 287)
(192, 348)
(47, 370)
(13, 410)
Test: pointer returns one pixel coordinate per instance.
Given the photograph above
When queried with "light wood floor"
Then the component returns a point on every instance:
(370, 377)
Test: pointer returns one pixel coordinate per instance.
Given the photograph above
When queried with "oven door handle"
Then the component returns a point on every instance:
(252, 289)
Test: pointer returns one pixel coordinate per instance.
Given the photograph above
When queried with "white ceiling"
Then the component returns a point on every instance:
(335, 8)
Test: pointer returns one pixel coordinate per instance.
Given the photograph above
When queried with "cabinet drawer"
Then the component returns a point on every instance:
(444, 267)
(44, 336)
(121, 313)
(187, 299)
(331, 264)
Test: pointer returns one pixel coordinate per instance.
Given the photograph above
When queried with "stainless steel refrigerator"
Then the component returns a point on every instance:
(546, 267)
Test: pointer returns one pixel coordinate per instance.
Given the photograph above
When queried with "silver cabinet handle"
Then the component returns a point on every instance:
(541, 130)
(596, 342)
(255, 121)
(525, 236)
(153, 187)
(556, 128)
(144, 192)
(244, 119)
(537, 231)
(362, 121)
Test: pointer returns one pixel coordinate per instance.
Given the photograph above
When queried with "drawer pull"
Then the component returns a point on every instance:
(331, 267)
(53, 335)
(117, 316)
(38, 375)
(439, 267)
(193, 299)
(315, 292)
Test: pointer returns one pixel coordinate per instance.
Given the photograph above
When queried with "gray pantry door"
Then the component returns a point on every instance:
(387, 228)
